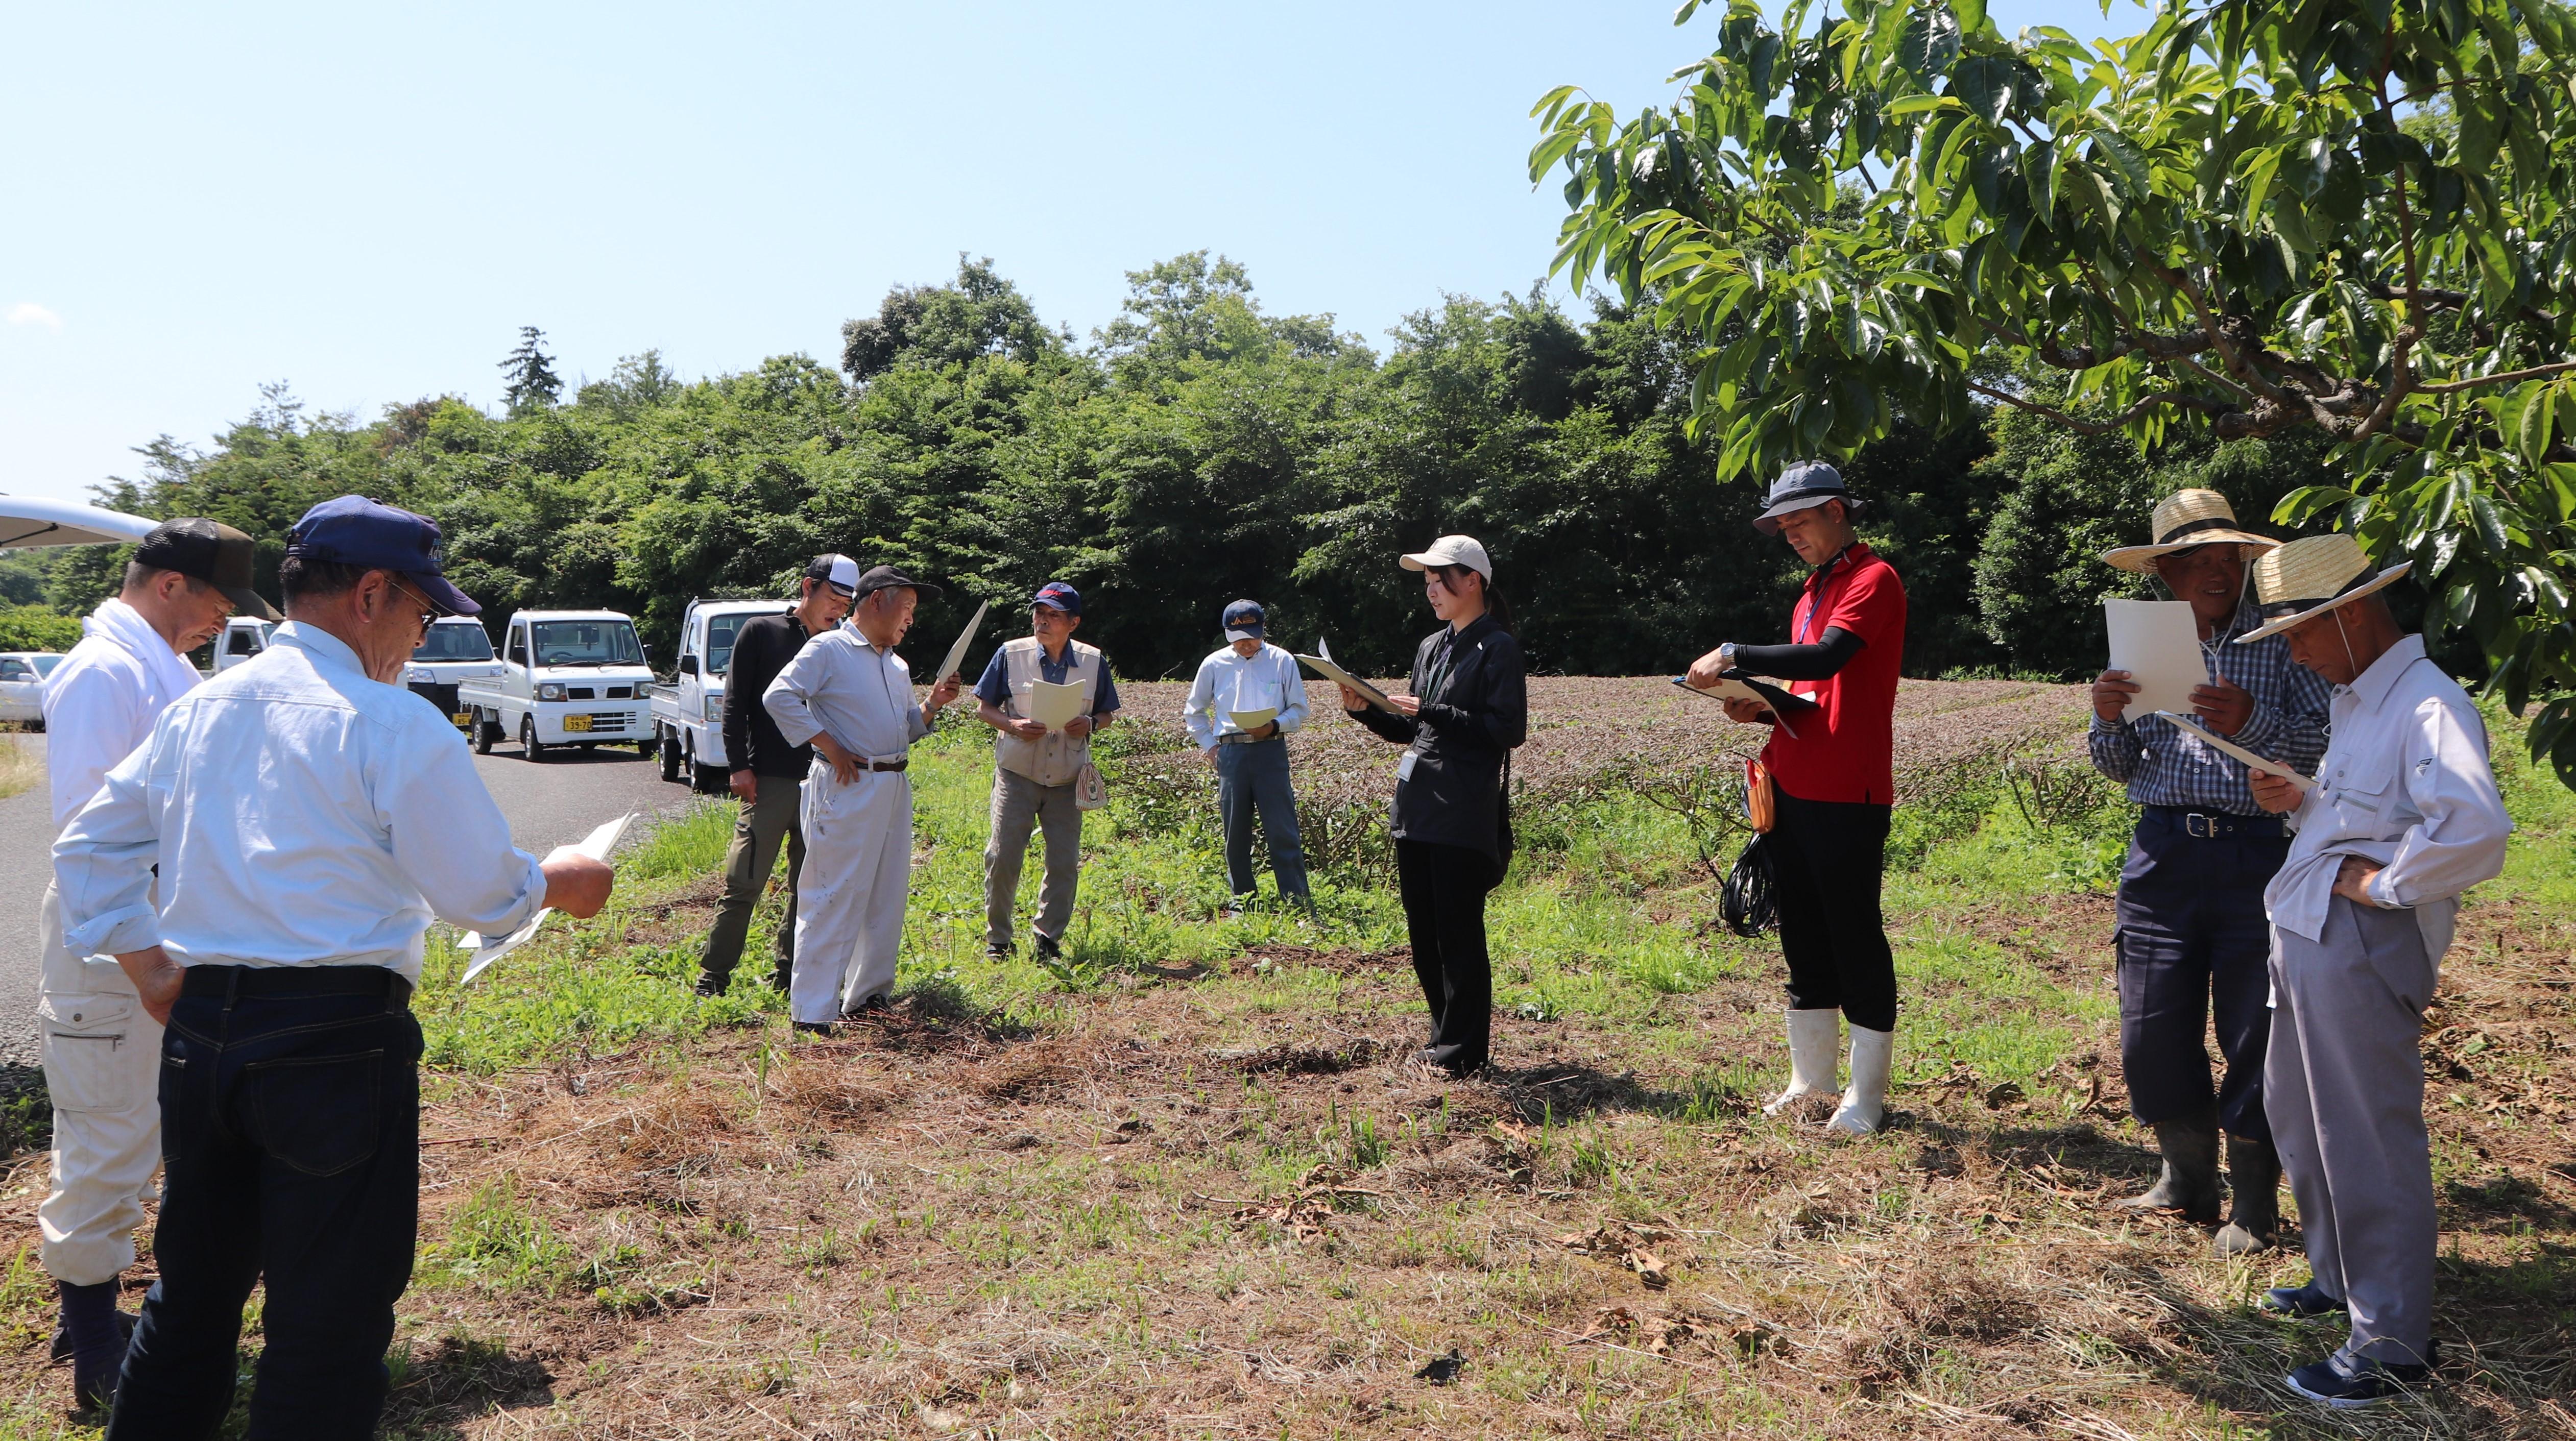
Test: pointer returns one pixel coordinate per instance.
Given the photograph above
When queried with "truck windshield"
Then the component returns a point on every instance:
(721, 630)
(586, 642)
(449, 641)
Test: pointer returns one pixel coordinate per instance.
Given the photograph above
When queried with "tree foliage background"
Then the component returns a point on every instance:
(1196, 449)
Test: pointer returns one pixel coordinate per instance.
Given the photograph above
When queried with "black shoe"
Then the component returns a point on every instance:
(96, 1391)
(1046, 945)
(869, 1005)
(784, 978)
(814, 1028)
(2371, 1383)
(997, 950)
(711, 984)
(2308, 1300)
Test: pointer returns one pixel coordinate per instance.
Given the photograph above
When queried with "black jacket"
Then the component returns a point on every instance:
(761, 649)
(1477, 713)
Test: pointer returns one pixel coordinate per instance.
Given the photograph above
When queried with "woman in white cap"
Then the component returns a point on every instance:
(1468, 706)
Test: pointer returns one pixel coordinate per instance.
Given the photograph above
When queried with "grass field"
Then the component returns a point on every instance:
(1186, 1184)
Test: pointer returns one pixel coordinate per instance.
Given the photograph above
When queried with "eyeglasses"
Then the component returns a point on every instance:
(430, 610)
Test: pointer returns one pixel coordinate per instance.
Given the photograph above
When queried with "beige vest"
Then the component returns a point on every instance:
(1057, 759)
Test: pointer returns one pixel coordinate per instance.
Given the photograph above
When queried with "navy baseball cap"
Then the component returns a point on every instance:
(353, 530)
(1243, 620)
(1807, 484)
(1059, 596)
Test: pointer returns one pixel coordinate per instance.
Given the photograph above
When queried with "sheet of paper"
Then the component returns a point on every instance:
(596, 845)
(957, 652)
(1252, 720)
(2227, 747)
(2158, 644)
(1323, 665)
(1053, 705)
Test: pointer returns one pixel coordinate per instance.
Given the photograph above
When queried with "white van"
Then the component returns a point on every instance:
(567, 677)
(244, 636)
(688, 714)
(454, 650)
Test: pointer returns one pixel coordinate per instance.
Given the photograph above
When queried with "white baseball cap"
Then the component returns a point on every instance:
(1453, 550)
(837, 571)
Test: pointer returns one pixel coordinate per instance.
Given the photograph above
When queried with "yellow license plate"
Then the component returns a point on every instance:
(576, 723)
(463, 717)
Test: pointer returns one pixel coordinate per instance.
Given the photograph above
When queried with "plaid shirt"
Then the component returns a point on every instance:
(2164, 767)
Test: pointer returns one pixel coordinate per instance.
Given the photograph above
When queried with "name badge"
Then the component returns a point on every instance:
(1404, 767)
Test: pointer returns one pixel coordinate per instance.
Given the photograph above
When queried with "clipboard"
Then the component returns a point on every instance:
(1739, 684)
(596, 845)
(957, 652)
(1323, 665)
(2226, 747)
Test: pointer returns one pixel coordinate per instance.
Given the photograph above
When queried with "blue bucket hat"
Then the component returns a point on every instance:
(353, 530)
(1804, 486)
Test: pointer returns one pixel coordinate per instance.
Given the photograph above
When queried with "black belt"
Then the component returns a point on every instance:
(2208, 826)
(289, 982)
(1243, 738)
(888, 765)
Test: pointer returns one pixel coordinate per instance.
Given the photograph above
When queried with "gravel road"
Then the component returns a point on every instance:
(548, 805)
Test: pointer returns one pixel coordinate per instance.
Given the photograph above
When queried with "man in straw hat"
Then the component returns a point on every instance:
(2402, 818)
(1834, 781)
(2193, 944)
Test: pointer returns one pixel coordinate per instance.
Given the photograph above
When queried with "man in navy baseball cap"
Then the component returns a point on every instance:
(354, 530)
(1056, 595)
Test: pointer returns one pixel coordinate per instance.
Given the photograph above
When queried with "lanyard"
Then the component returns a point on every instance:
(1816, 596)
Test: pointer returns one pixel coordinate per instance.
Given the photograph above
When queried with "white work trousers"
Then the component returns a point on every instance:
(102, 1059)
(850, 896)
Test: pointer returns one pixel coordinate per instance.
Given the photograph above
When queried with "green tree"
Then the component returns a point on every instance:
(979, 314)
(2223, 225)
(529, 382)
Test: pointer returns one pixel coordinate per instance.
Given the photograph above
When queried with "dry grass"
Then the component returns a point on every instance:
(19, 767)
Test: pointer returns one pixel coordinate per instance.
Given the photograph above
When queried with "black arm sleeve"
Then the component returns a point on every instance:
(1400, 729)
(1820, 661)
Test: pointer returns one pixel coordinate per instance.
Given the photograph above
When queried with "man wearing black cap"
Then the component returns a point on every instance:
(768, 773)
(308, 818)
(101, 1053)
(1834, 783)
(1245, 699)
(849, 696)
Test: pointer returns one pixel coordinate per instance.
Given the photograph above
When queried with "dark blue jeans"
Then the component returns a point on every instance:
(2194, 947)
(290, 1130)
(1251, 777)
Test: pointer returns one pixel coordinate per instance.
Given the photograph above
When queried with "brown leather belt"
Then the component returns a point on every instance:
(888, 765)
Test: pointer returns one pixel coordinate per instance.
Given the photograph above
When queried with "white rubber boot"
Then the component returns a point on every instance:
(1865, 1103)
(1815, 1042)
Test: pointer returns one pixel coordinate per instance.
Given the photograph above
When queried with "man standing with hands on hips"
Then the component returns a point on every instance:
(308, 818)
(102, 1052)
(2403, 818)
(850, 696)
(2193, 945)
(1834, 782)
(768, 773)
(1248, 676)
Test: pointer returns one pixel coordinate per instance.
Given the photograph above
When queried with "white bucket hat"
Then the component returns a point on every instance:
(1453, 550)
(2310, 576)
(2188, 520)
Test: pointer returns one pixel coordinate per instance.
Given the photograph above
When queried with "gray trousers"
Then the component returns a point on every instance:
(1021, 805)
(2343, 1083)
(1253, 777)
(758, 829)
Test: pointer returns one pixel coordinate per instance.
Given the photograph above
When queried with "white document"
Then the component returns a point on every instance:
(1322, 664)
(2227, 747)
(2158, 643)
(596, 845)
(957, 652)
(1054, 705)
(1252, 720)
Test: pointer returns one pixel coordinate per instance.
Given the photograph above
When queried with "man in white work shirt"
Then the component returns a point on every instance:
(102, 1053)
(2404, 817)
(850, 696)
(308, 818)
(1251, 678)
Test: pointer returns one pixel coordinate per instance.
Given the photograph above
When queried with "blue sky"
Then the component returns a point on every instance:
(367, 202)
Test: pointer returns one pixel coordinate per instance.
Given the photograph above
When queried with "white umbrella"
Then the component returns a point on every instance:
(28, 520)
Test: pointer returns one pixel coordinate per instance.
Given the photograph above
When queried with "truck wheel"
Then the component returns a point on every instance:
(529, 745)
(647, 746)
(486, 731)
(710, 779)
(670, 749)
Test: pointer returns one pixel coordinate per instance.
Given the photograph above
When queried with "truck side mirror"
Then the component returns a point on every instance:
(688, 665)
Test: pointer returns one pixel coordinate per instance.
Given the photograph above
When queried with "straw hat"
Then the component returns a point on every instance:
(2185, 519)
(2310, 576)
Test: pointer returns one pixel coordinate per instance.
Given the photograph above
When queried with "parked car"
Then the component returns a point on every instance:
(567, 677)
(244, 636)
(454, 650)
(688, 713)
(22, 684)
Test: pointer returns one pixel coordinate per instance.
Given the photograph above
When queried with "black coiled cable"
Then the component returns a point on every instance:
(1747, 902)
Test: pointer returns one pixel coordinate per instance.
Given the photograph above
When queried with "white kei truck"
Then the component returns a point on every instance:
(454, 651)
(244, 636)
(688, 713)
(567, 678)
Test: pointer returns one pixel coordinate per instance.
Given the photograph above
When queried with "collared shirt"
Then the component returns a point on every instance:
(100, 703)
(1846, 749)
(860, 693)
(995, 686)
(1227, 683)
(301, 815)
(2162, 766)
(2406, 786)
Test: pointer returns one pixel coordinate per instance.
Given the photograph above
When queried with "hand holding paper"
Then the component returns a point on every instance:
(1322, 664)
(957, 652)
(596, 846)
(1054, 705)
(2158, 643)
(2228, 747)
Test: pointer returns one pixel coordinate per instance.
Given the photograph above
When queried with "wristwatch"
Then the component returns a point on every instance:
(1726, 656)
